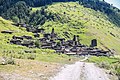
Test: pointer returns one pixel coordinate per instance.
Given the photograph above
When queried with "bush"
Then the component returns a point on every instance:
(10, 61)
(105, 65)
(5, 61)
(117, 68)
(32, 57)
(37, 44)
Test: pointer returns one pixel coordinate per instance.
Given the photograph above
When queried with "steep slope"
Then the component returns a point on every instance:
(9, 9)
(19, 10)
(100, 5)
(36, 64)
(70, 19)
(4, 38)
(19, 52)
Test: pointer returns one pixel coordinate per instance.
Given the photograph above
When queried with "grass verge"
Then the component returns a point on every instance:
(109, 63)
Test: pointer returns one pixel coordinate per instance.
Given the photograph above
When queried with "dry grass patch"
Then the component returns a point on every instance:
(29, 69)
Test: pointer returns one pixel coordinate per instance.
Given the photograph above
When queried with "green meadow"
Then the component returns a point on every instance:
(73, 19)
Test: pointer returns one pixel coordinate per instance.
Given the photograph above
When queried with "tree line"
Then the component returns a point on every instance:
(20, 10)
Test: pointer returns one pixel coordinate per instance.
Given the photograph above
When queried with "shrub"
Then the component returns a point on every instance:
(117, 68)
(37, 44)
(32, 57)
(5, 61)
(105, 65)
(10, 61)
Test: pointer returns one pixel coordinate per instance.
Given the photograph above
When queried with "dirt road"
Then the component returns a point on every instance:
(81, 71)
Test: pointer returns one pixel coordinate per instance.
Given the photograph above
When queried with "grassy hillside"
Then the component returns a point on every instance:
(5, 46)
(70, 19)
(16, 51)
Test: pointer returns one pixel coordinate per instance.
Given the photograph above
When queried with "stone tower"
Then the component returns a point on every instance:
(93, 43)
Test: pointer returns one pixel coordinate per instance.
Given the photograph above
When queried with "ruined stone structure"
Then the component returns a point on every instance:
(60, 45)
(7, 32)
(36, 35)
(93, 43)
(15, 41)
(18, 37)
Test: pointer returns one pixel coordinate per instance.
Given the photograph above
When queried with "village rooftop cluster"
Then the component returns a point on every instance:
(52, 41)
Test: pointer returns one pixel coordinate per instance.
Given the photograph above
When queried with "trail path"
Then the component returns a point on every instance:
(81, 71)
